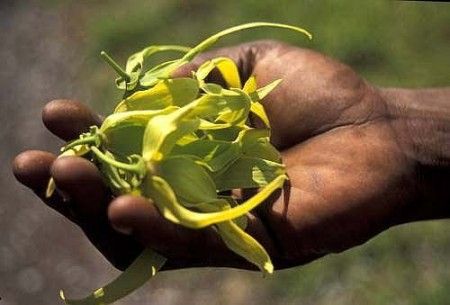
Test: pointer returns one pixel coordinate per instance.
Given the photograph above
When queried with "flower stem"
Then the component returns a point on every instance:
(87, 140)
(137, 168)
(114, 65)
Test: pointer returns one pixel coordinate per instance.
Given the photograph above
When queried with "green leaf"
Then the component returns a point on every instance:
(215, 155)
(135, 62)
(240, 109)
(225, 134)
(211, 88)
(230, 107)
(139, 272)
(248, 172)
(129, 79)
(256, 143)
(189, 180)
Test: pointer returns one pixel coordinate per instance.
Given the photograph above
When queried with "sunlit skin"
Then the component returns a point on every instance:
(356, 166)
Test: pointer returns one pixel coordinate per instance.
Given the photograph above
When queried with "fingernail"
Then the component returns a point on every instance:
(122, 229)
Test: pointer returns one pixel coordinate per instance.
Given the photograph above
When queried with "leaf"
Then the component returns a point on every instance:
(211, 88)
(204, 70)
(129, 79)
(135, 62)
(173, 92)
(215, 155)
(225, 134)
(230, 107)
(139, 272)
(241, 107)
(211, 105)
(256, 143)
(189, 180)
(248, 172)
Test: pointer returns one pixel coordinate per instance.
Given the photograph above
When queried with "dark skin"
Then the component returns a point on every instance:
(355, 164)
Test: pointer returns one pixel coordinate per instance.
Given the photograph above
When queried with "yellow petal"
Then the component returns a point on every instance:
(229, 71)
(162, 194)
(250, 85)
(258, 109)
(139, 272)
(169, 92)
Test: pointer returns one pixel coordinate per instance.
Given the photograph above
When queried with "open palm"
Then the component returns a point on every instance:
(349, 177)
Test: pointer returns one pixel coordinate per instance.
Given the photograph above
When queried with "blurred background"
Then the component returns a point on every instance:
(49, 49)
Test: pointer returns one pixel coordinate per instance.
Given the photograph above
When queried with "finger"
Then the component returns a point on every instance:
(82, 182)
(32, 169)
(183, 246)
(67, 119)
(137, 216)
(244, 55)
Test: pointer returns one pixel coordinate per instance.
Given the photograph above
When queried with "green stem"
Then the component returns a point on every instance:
(87, 140)
(114, 65)
(208, 42)
(135, 168)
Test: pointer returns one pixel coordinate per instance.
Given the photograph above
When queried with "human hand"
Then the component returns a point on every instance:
(350, 174)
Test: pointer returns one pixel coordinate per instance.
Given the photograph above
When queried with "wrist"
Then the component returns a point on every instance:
(421, 122)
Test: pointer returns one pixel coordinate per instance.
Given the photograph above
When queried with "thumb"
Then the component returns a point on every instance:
(244, 55)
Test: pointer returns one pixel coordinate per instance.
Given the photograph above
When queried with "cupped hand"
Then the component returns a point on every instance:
(349, 177)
